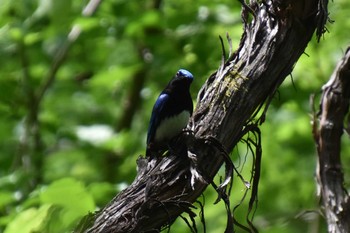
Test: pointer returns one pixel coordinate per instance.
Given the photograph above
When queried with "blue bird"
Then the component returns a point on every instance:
(170, 113)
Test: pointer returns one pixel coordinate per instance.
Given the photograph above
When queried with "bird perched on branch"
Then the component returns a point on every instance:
(170, 113)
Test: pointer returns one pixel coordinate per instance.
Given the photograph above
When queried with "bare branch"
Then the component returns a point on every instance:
(327, 133)
(62, 52)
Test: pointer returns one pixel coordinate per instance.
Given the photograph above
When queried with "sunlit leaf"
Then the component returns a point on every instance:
(87, 24)
(71, 195)
(6, 198)
(28, 221)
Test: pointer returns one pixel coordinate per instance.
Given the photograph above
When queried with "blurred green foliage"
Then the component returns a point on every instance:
(70, 152)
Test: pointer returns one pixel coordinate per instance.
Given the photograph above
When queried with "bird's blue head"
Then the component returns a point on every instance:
(184, 74)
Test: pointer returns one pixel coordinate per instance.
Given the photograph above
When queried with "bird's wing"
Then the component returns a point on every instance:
(156, 115)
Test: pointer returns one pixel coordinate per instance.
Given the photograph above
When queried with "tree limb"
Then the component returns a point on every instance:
(271, 44)
(333, 108)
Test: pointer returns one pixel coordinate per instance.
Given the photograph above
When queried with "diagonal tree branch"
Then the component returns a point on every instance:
(327, 134)
(272, 42)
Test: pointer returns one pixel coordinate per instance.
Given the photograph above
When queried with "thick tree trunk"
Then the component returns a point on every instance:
(272, 42)
(333, 109)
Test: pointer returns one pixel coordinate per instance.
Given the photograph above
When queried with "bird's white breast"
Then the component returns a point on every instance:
(172, 126)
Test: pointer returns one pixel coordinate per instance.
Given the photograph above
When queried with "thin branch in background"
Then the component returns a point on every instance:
(62, 52)
(30, 148)
(91, 7)
(327, 132)
(133, 99)
(30, 142)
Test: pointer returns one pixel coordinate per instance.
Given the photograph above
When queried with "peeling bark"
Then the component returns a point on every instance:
(271, 44)
(327, 133)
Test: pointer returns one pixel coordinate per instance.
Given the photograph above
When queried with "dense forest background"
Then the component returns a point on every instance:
(76, 93)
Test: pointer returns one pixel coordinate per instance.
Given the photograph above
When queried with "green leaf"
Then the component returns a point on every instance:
(151, 18)
(16, 34)
(6, 198)
(72, 196)
(87, 24)
(29, 221)
(32, 38)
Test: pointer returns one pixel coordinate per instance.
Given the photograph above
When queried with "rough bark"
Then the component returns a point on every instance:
(275, 36)
(327, 133)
